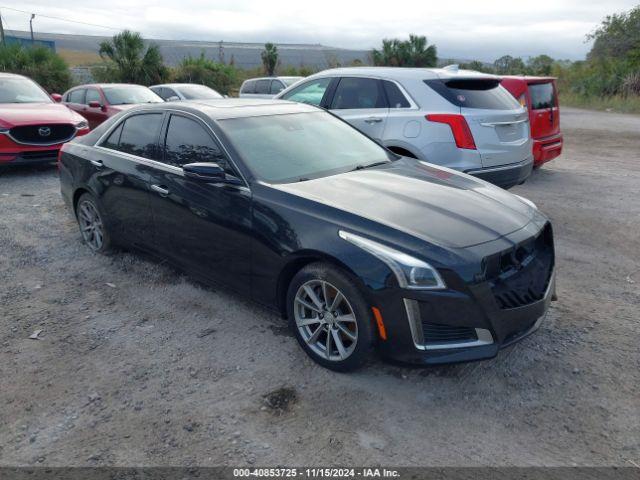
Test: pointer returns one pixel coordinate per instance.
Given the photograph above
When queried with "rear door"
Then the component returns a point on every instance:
(361, 102)
(545, 113)
(122, 163)
(203, 225)
(75, 100)
(498, 123)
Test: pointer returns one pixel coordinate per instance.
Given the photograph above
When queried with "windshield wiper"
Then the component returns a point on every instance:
(369, 165)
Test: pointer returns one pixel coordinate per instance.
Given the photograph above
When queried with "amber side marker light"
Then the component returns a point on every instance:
(378, 316)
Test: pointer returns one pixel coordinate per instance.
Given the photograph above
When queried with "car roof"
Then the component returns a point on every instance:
(106, 85)
(226, 108)
(179, 85)
(529, 78)
(406, 73)
(273, 78)
(11, 75)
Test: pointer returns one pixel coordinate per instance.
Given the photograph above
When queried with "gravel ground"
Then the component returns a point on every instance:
(138, 365)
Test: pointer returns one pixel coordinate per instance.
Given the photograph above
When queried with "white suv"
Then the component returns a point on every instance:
(460, 119)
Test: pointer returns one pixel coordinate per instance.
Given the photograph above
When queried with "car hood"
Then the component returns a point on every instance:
(16, 114)
(434, 204)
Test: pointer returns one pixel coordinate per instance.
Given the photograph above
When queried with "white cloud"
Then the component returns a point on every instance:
(464, 29)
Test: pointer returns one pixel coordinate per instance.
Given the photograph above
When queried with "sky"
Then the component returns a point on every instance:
(464, 29)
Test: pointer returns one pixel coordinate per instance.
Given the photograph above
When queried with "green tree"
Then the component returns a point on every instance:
(618, 36)
(269, 58)
(39, 63)
(130, 60)
(414, 52)
(508, 65)
(207, 72)
(477, 65)
(540, 65)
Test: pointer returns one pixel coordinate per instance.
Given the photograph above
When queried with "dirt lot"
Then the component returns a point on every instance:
(137, 365)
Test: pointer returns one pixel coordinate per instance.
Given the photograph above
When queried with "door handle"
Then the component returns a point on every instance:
(97, 163)
(373, 120)
(160, 189)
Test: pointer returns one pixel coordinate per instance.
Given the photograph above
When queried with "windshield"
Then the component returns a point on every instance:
(198, 92)
(301, 146)
(21, 90)
(130, 94)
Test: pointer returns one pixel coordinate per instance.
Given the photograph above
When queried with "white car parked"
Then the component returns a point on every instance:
(267, 87)
(171, 92)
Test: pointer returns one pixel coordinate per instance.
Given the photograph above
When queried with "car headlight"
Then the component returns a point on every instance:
(411, 272)
(82, 125)
(528, 202)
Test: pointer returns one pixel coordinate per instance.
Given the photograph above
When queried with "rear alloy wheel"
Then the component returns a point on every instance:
(330, 317)
(91, 225)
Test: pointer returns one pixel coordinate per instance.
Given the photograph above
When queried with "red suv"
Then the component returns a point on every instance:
(98, 102)
(32, 126)
(540, 96)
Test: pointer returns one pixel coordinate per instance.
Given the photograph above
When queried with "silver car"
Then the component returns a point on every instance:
(266, 87)
(184, 91)
(460, 119)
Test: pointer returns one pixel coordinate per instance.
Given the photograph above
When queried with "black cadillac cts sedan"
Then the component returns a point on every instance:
(359, 248)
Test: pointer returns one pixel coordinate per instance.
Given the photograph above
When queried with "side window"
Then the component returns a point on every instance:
(113, 140)
(159, 91)
(249, 86)
(262, 86)
(310, 92)
(93, 95)
(355, 93)
(76, 96)
(276, 87)
(395, 97)
(138, 136)
(187, 141)
(168, 93)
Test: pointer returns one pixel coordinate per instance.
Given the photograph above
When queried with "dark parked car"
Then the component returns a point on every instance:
(97, 102)
(284, 202)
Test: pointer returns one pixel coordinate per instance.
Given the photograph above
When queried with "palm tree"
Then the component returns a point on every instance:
(414, 52)
(269, 58)
(133, 61)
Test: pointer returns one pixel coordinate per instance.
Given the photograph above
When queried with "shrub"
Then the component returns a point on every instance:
(218, 76)
(39, 63)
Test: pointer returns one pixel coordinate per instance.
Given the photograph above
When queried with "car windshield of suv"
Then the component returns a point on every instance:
(21, 90)
(130, 94)
(198, 92)
(300, 146)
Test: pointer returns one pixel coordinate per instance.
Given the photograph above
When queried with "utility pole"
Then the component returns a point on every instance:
(1, 29)
(33, 15)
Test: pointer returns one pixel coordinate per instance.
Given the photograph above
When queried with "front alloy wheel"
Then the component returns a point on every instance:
(330, 317)
(325, 320)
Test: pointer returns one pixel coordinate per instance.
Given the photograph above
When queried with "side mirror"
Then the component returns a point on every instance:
(94, 104)
(172, 98)
(204, 171)
(56, 97)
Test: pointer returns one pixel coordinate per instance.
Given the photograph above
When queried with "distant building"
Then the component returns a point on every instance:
(244, 55)
(12, 40)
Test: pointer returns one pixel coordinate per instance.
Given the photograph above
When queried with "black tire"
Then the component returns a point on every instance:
(88, 202)
(359, 350)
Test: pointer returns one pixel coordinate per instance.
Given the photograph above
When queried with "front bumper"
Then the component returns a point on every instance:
(505, 176)
(33, 157)
(409, 314)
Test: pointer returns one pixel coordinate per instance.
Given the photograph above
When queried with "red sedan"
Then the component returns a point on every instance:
(97, 102)
(540, 96)
(32, 126)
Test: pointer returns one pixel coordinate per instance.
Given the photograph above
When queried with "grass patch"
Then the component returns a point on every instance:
(76, 58)
(616, 103)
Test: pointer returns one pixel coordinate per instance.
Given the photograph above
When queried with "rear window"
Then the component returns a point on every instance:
(485, 94)
(542, 96)
(249, 86)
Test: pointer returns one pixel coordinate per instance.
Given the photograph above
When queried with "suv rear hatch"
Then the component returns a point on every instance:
(498, 123)
(545, 114)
